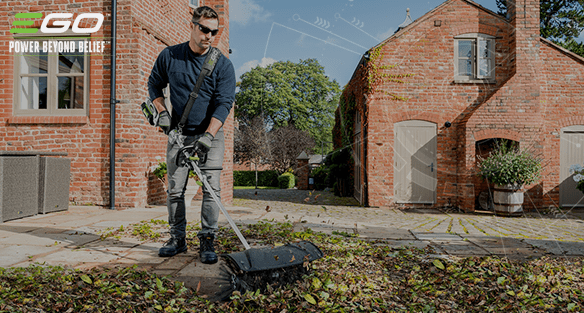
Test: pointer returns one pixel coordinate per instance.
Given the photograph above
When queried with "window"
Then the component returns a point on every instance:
(474, 58)
(194, 3)
(51, 83)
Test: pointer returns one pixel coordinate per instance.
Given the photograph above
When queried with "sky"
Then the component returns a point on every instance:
(335, 32)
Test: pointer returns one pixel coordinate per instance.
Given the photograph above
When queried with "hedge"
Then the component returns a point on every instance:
(247, 178)
(286, 181)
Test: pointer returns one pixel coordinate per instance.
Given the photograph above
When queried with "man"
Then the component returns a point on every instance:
(179, 66)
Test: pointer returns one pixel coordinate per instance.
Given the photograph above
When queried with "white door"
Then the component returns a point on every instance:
(415, 162)
(571, 152)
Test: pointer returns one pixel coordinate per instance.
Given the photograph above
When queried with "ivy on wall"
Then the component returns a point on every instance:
(377, 74)
(369, 80)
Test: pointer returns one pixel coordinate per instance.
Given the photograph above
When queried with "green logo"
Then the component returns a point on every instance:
(25, 23)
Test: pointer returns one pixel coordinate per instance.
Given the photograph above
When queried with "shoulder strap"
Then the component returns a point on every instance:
(208, 66)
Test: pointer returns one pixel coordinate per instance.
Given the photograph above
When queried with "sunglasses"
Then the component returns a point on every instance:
(206, 29)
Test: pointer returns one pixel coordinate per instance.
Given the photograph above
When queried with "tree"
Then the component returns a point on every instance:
(287, 93)
(286, 144)
(251, 143)
(561, 21)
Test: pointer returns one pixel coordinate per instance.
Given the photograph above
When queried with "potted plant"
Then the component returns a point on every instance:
(578, 171)
(160, 170)
(509, 169)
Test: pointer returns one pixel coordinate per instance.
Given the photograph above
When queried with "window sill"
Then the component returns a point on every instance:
(48, 120)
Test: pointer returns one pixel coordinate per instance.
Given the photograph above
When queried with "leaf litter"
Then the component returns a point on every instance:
(355, 275)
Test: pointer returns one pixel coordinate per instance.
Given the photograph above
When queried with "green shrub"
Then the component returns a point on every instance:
(319, 174)
(247, 178)
(286, 181)
(509, 165)
(340, 172)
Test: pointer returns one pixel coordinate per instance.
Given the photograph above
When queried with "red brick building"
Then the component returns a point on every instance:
(60, 101)
(472, 76)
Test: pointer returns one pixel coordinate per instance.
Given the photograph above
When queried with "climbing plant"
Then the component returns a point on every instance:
(368, 81)
(377, 74)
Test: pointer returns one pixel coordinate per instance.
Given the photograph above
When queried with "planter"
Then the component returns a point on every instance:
(508, 200)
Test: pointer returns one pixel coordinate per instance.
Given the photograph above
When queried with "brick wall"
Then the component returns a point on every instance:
(533, 80)
(561, 105)
(144, 28)
(427, 51)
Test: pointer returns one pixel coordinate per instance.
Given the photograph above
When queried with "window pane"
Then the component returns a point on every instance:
(464, 67)
(484, 48)
(33, 93)
(485, 67)
(465, 48)
(485, 58)
(71, 62)
(36, 63)
(70, 93)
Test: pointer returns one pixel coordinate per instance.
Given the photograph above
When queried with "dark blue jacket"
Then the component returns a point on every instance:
(179, 67)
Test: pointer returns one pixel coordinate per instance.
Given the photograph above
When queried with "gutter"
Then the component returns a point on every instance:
(113, 101)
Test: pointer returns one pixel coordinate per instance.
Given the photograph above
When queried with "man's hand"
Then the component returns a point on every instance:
(164, 122)
(203, 146)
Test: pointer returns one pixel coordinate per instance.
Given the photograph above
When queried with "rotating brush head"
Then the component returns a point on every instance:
(234, 279)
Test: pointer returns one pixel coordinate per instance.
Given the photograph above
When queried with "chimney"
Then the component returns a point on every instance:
(524, 17)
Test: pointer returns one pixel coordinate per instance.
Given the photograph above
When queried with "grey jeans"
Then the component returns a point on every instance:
(177, 182)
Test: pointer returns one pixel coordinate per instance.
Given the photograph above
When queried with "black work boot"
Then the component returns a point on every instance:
(172, 247)
(207, 251)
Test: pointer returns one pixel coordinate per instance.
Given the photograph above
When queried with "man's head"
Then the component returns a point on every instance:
(204, 28)
(204, 12)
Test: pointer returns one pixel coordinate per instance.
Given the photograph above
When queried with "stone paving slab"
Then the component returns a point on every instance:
(206, 279)
(384, 233)
(558, 247)
(11, 255)
(460, 248)
(506, 247)
(443, 237)
(73, 257)
(419, 244)
(31, 239)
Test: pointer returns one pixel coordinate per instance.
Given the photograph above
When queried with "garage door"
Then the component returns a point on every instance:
(571, 152)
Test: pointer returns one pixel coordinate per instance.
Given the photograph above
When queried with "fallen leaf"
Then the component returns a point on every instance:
(293, 259)
(308, 297)
(86, 279)
(438, 264)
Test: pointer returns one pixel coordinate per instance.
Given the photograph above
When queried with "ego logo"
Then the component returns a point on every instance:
(64, 25)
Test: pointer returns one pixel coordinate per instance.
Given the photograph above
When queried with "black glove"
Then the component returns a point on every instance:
(203, 145)
(164, 122)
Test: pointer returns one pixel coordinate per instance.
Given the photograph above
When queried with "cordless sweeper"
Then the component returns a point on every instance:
(253, 268)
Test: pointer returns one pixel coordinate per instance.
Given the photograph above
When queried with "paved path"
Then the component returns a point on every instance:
(73, 238)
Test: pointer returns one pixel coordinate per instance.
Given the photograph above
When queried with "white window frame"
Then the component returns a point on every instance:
(194, 3)
(477, 41)
(52, 78)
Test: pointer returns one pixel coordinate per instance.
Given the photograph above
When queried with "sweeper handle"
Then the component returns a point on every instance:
(203, 178)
